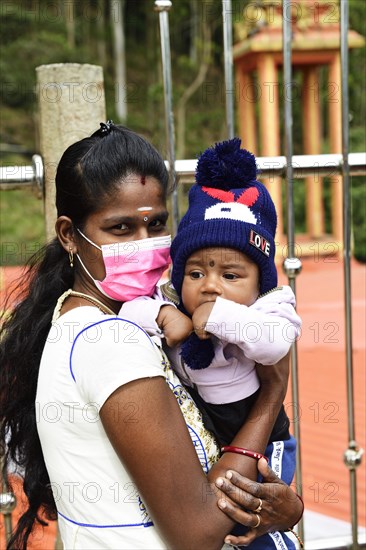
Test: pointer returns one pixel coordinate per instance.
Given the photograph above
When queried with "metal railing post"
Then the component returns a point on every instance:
(228, 64)
(162, 7)
(292, 265)
(353, 455)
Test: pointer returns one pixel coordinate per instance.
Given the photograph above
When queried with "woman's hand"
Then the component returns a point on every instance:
(270, 506)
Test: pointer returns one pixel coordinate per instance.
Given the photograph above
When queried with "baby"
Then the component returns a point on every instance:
(230, 314)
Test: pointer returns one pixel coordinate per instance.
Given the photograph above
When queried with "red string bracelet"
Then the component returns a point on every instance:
(245, 452)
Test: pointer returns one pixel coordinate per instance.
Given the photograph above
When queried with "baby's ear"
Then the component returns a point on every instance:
(168, 291)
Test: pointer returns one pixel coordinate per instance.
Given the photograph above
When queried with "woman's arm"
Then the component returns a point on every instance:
(282, 508)
(255, 433)
(158, 453)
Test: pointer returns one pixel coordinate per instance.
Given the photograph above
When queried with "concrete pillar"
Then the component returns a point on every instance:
(270, 128)
(312, 146)
(71, 106)
(246, 110)
(335, 139)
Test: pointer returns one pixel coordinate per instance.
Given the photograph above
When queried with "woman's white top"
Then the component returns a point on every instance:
(87, 356)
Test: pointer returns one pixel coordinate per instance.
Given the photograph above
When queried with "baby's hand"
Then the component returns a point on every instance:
(175, 325)
(200, 318)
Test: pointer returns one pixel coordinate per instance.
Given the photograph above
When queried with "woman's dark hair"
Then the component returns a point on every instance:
(89, 171)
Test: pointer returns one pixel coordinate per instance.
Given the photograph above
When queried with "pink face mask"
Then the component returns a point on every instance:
(133, 268)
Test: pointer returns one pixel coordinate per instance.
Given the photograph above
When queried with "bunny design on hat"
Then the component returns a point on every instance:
(231, 209)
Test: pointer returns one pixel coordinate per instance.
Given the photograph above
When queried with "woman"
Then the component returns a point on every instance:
(88, 410)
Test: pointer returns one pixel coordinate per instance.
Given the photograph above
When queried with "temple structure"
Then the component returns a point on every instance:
(258, 59)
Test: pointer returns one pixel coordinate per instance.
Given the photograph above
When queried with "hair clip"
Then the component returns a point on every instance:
(105, 127)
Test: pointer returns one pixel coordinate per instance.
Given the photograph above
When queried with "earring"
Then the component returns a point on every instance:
(71, 257)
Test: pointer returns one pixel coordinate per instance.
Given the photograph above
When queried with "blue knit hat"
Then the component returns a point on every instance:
(228, 207)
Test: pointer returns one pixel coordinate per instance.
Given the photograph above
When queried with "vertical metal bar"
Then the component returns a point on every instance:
(292, 265)
(163, 6)
(352, 456)
(287, 70)
(228, 63)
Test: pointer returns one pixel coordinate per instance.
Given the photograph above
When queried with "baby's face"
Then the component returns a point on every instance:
(224, 272)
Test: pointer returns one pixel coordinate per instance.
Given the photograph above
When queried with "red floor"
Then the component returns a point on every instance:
(323, 406)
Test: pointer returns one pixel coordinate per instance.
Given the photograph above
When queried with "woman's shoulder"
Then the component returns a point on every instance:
(93, 334)
(105, 352)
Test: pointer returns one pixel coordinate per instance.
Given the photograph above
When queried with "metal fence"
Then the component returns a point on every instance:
(31, 175)
(290, 167)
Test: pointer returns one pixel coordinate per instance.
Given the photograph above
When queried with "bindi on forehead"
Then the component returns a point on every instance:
(143, 180)
(211, 263)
